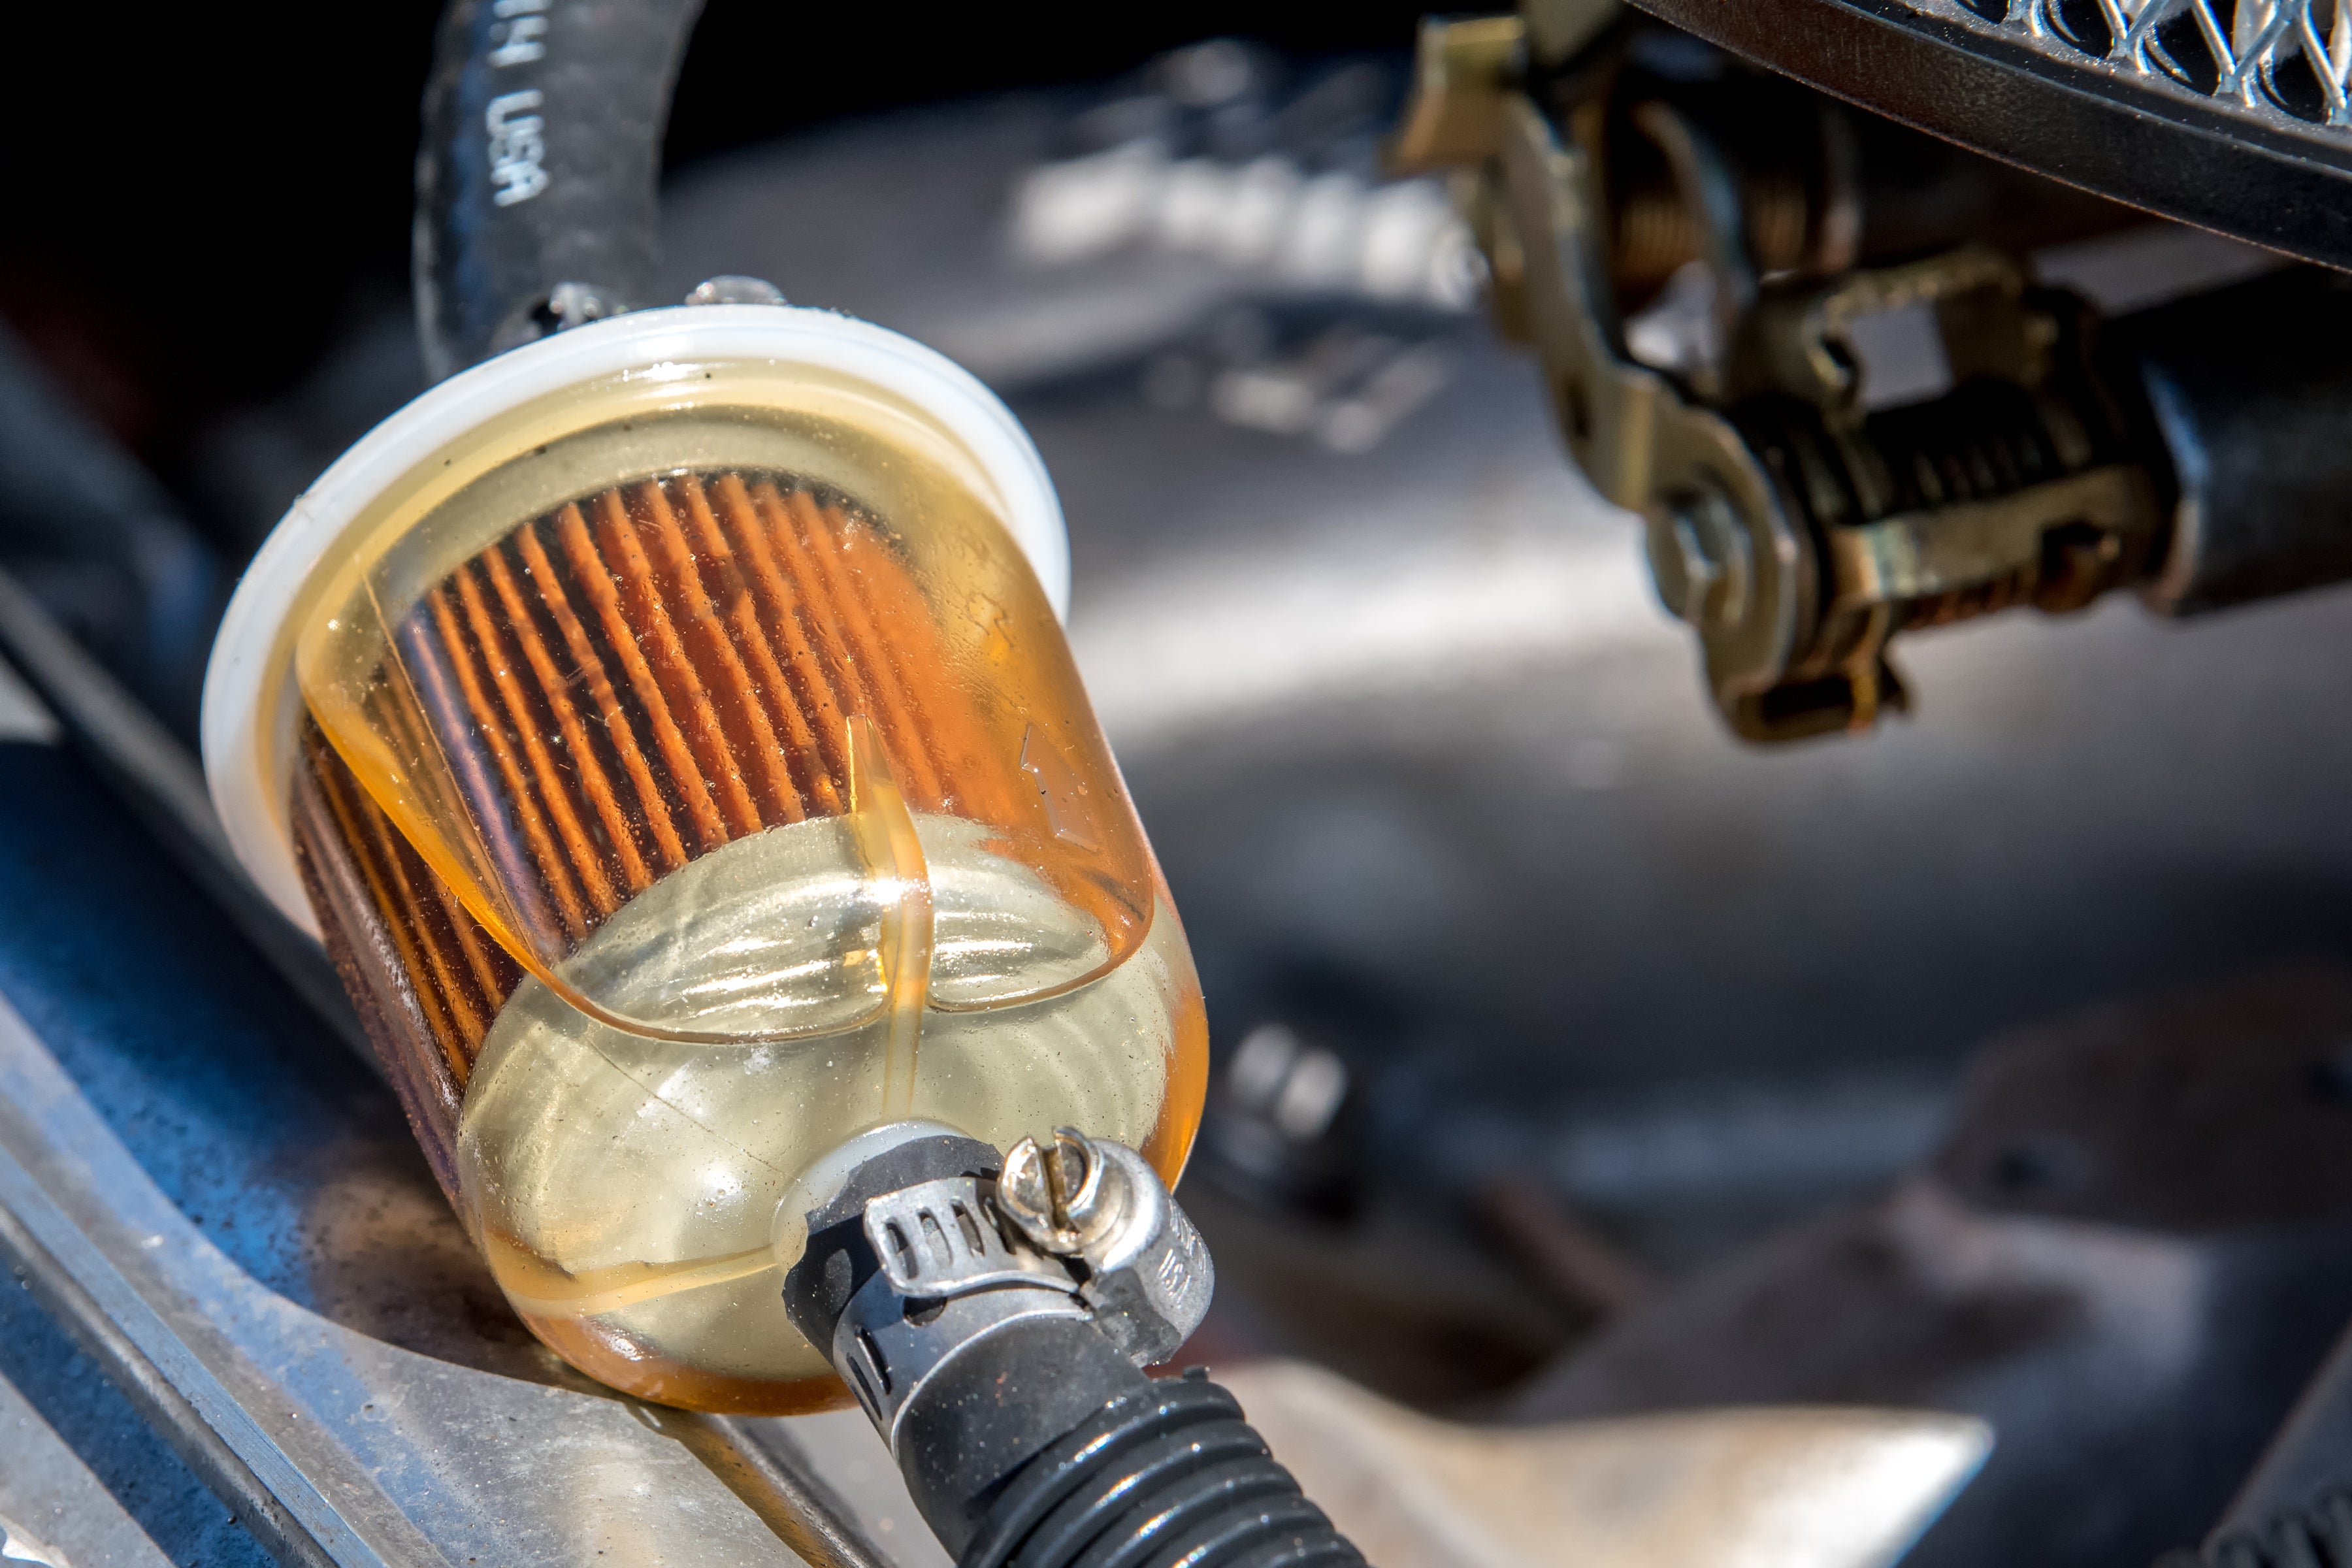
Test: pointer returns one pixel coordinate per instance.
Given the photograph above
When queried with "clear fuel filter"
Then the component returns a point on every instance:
(668, 729)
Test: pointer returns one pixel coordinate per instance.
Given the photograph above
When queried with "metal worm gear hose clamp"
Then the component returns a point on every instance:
(932, 1250)
(948, 1278)
(994, 1318)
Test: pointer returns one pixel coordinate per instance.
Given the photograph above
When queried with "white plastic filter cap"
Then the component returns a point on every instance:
(251, 706)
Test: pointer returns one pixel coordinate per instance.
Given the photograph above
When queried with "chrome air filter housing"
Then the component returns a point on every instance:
(2229, 114)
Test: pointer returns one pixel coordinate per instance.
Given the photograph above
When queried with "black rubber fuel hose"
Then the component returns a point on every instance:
(1169, 1472)
(536, 203)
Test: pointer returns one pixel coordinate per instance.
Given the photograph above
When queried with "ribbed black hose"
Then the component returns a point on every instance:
(535, 182)
(1170, 1474)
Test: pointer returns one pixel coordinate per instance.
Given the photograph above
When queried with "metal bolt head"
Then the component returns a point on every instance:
(1056, 1196)
(1699, 559)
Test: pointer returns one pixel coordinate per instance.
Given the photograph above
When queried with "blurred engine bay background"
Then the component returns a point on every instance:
(1572, 1058)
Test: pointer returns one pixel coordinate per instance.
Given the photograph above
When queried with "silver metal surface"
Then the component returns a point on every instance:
(1765, 1488)
(17, 1545)
(837, 1453)
(53, 1510)
(332, 1446)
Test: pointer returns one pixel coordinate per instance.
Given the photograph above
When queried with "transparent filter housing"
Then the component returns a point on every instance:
(687, 771)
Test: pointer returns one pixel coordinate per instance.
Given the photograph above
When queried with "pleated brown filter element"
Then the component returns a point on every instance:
(686, 773)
